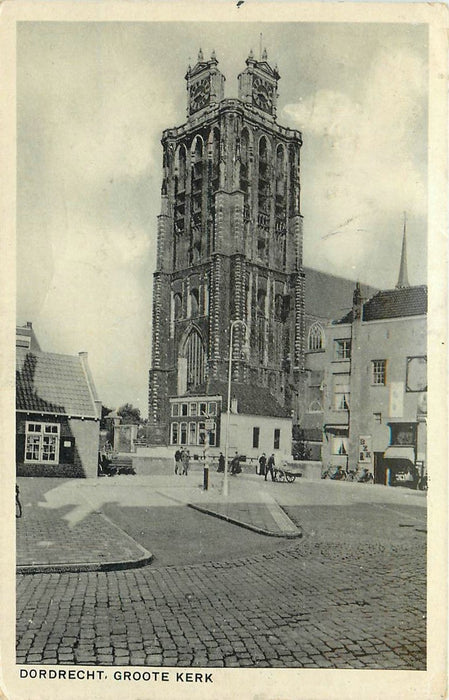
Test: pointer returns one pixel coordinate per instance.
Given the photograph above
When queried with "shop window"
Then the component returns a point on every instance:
(256, 435)
(343, 349)
(277, 439)
(42, 442)
(379, 372)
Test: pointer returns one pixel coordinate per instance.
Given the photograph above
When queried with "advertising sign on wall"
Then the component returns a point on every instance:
(365, 449)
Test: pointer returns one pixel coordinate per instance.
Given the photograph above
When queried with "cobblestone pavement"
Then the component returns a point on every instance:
(339, 598)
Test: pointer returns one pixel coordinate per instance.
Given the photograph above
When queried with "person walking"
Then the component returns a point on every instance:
(178, 461)
(235, 465)
(262, 464)
(270, 467)
(221, 463)
(185, 462)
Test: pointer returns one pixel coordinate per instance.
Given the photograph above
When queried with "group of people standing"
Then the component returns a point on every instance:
(267, 466)
(182, 462)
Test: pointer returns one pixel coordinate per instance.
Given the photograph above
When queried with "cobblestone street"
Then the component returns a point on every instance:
(350, 594)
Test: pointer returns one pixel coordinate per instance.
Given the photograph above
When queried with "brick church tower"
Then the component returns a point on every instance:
(229, 246)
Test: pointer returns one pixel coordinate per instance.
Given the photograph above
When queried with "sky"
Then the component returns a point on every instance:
(92, 102)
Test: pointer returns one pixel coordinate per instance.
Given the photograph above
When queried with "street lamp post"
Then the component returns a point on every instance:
(228, 415)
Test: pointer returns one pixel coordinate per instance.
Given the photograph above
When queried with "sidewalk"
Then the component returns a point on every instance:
(63, 528)
(48, 541)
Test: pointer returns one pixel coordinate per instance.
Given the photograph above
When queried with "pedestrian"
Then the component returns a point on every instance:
(235, 465)
(178, 461)
(262, 464)
(221, 463)
(185, 462)
(270, 467)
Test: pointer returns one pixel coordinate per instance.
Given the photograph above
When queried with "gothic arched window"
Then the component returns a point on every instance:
(196, 360)
(194, 302)
(316, 337)
(177, 300)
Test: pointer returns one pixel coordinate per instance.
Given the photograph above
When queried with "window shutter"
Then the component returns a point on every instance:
(20, 447)
(67, 450)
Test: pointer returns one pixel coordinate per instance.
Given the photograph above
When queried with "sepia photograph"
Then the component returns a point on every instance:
(222, 312)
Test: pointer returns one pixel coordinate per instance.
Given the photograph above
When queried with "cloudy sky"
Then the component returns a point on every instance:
(92, 101)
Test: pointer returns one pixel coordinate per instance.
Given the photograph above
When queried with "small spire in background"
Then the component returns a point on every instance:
(213, 55)
(200, 55)
(264, 55)
(251, 54)
(403, 276)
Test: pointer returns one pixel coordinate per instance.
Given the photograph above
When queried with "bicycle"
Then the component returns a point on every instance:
(18, 503)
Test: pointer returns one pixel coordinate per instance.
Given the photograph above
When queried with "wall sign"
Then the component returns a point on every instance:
(365, 449)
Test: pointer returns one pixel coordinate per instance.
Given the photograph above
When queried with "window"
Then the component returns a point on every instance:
(174, 433)
(183, 435)
(377, 417)
(196, 360)
(192, 433)
(277, 438)
(193, 409)
(212, 438)
(316, 337)
(42, 442)
(201, 433)
(212, 408)
(379, 372)
(175, 409)
(339, 445)
(177, 300)
(341, 392)
(203, 409)
(256, 434)
(343, 349)
(184, 407)
(194, 302)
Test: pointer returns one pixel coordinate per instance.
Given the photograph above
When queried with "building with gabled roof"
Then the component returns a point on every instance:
(375, 384)
(57, 412)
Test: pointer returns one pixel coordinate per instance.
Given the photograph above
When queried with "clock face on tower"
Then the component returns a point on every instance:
(262, 94)
(199, 95)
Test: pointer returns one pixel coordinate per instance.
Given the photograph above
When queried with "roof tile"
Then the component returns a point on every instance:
(52, 383)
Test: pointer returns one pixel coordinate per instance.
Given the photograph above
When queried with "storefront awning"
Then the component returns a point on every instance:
(397, 452)
(336, 429)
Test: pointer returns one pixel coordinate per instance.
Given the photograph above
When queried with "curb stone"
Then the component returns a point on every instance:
(247, 526)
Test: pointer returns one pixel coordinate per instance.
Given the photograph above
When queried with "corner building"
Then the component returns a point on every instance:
(229, 247)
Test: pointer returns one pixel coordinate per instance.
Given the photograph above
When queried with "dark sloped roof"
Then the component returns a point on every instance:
(327, 296)
(52, 383)
(252, 400)
(396, 303)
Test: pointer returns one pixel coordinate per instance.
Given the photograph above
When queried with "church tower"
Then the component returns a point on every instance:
(229, 246)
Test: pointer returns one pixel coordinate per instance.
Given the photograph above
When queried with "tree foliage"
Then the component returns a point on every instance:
(129, 414)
